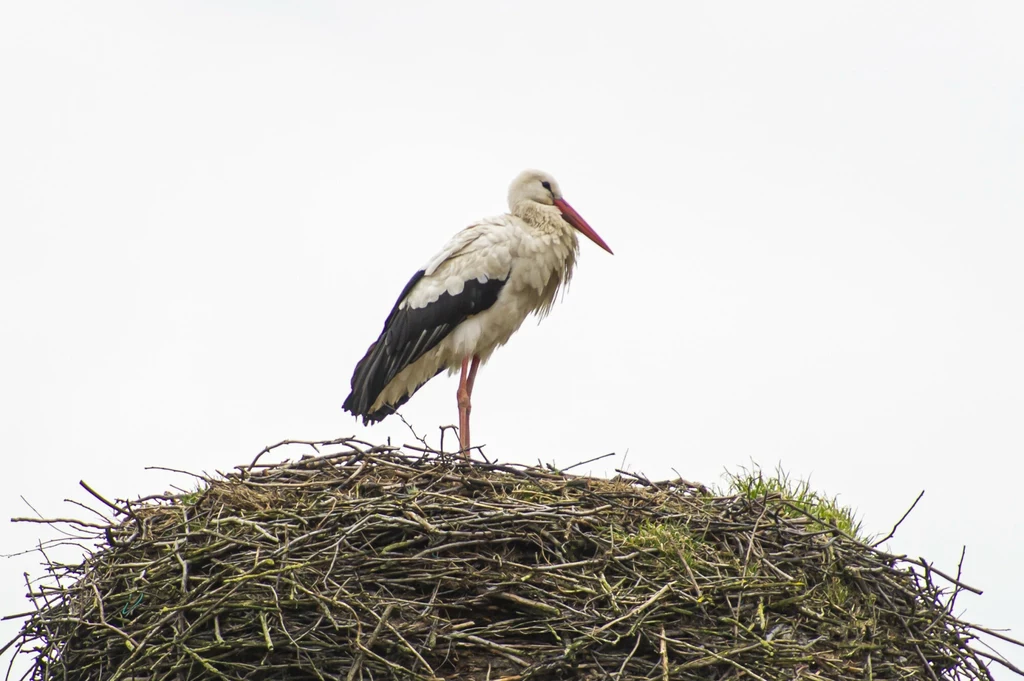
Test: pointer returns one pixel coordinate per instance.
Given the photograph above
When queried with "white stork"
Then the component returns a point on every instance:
(470, 298)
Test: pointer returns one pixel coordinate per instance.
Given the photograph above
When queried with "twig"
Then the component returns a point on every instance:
(664, 655)
(369, 644)
(892, 532)
(959, 571)
(107, 502)
(637, 610)
(584, 463)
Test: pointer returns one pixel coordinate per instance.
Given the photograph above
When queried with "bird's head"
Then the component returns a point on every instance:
(538, 187)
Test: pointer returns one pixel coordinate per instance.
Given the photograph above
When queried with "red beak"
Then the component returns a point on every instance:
(574, 219)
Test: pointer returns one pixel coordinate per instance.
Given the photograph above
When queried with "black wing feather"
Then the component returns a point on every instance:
(408, 335)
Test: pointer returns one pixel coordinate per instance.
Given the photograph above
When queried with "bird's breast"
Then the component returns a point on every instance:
(541, 267)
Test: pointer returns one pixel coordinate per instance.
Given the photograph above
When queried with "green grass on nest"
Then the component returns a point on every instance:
(751, 483)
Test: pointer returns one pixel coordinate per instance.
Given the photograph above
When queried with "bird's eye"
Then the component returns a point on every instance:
(546, 185)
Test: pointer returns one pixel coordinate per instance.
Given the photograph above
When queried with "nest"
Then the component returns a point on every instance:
(379, 563)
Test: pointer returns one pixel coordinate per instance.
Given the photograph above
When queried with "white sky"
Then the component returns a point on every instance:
(208, 209)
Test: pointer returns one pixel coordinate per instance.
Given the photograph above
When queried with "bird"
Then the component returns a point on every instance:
(470, 298)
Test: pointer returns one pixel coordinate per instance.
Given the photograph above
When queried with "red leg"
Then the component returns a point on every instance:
(472, 374)
(463, 399)
(469, 395)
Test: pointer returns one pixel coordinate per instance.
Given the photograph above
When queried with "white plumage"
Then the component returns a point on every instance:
(471, 297)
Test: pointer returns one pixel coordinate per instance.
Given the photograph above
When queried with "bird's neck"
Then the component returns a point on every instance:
(545, 221)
